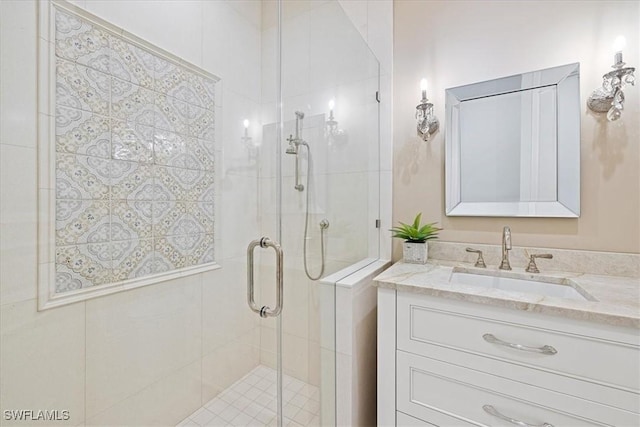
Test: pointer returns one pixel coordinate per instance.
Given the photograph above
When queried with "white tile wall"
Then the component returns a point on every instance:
(374, 20)
(18, 85)
(18, 223)
(43, 359)
(153, 21)
(224, 297)
(228, 362)
(231, 46)
(180, 390)
(249, 10)
(133, 340)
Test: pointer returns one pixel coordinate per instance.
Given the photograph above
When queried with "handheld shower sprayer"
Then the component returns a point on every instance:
(299, 118)
(293, 148)
(294, 144)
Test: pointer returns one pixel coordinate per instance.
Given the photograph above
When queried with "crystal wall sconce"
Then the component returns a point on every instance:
(609, 98)
(333, 134)
(428, 123)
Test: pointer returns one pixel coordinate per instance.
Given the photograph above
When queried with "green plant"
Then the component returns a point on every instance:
(415, 232)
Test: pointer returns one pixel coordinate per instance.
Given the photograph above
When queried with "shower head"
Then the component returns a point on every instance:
(293, 145)
(292, 149)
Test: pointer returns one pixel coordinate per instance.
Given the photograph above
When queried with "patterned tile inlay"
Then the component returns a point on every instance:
(134, 144)
(251, 401)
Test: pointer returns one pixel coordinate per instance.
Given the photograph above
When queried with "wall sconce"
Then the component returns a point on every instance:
(428, 123)
(610, 97)
(334, 135)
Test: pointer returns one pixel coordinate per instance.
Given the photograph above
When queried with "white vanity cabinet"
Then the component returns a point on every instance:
(448, 362)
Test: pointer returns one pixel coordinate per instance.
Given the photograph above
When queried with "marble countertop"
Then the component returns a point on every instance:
(614, 300)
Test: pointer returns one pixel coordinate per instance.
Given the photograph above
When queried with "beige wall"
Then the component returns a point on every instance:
(460, 42)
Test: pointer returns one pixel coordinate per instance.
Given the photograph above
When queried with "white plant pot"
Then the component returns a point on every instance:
(415, 253)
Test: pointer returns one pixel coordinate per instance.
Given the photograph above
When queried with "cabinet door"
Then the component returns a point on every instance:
(425, 385)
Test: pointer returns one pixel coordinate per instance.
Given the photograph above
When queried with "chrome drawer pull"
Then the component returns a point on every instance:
(494, 412)
(545, 349)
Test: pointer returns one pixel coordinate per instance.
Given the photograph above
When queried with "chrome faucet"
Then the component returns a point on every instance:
(506, 247)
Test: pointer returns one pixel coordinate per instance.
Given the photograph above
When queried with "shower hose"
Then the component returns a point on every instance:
(324, 224)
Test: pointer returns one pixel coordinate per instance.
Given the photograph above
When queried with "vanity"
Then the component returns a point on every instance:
(465, 345)
(495, 335)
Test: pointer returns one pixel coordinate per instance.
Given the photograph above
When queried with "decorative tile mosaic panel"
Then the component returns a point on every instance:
(134, 159)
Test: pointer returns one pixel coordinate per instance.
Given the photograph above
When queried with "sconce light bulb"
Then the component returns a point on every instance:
(619, 44)
(246, 123)
(332, 104)
(423, 88)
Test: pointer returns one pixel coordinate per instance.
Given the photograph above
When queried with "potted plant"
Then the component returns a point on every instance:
(414, 248)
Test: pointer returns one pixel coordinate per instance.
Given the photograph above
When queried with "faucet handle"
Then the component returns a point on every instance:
(480, 262)
(532, 267)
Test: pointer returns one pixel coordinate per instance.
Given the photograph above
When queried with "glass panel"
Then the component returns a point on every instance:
(329, 190)
(307, 155)
(245, 363)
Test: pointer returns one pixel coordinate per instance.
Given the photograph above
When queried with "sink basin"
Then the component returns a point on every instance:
(517, 285)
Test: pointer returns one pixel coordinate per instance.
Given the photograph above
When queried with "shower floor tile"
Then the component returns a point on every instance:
(251, 401)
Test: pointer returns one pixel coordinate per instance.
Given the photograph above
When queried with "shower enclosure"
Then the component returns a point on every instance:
(248, 339)
(316, 194)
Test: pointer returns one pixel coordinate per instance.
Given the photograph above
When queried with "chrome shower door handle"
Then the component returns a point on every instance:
(265, 311)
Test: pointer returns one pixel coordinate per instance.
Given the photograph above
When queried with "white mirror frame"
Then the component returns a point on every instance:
(566, 78)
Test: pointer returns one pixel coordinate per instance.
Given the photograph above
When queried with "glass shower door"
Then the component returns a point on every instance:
(318, 191)
(326, 190)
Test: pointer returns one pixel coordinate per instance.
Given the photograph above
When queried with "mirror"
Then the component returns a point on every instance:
(513, 146)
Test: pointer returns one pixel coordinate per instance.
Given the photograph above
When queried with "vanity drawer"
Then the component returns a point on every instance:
(437, 419)
(424, 323)
(426, 386)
